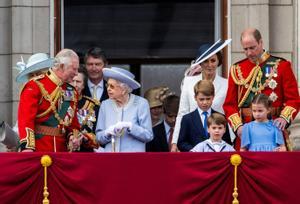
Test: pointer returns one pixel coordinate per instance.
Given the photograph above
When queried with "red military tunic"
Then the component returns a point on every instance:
(46, 114)
(273, 77)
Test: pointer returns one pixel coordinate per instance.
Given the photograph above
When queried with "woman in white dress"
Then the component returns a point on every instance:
(209, 58)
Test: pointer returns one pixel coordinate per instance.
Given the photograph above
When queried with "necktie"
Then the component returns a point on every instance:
(205, 123)
(95, 92)
(170, 137)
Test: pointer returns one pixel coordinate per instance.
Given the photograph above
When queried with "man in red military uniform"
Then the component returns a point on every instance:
(48, 105)
(260, 72)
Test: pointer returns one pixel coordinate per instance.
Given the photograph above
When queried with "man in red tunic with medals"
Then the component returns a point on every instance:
(48, 104)
(260, 72)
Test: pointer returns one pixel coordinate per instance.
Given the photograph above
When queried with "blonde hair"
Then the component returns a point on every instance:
(205, 87)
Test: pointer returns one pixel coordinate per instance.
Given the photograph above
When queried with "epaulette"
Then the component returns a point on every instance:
(240, 61)
(35, 78)
(95, 101)
(279, 58)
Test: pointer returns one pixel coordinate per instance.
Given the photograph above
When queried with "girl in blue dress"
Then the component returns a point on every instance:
(261, 134)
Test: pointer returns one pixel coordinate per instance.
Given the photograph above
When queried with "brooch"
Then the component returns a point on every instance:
(273, 96)
(272, 84)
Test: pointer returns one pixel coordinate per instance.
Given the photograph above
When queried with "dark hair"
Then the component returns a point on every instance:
(257, 35)
(205, 87)
(204, 47)
(262, 99)
(95, 52)
(217, 119)
(82, 71)
(171, 104)
(220, 58)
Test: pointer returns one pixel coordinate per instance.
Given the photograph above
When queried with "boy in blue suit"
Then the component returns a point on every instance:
(193, 128)
(163, 131)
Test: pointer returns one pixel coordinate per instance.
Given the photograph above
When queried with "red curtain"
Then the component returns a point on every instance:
(142, 178)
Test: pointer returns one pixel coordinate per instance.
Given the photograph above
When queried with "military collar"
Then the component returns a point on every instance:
(265, 55)
(53, 77)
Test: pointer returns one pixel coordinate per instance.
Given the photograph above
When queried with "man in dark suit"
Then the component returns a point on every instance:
(95, 87)
(163, 131)
(193, 128)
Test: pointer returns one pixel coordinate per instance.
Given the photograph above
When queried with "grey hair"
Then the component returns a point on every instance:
(125, 87)
(64, 57)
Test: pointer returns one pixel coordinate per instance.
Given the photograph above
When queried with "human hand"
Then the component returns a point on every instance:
(120, 127)
(280, 123)
(281, 148)
(110, 131)
(239, 131)
(174, 148)
(75, 142)
(27, 150)
(194, 70)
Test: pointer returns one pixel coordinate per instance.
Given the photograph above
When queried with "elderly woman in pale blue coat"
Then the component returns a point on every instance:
(124, 121)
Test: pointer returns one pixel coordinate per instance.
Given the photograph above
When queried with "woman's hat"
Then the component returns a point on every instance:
(35, 63)
(156, 95)
(121, 75)
(207, 50)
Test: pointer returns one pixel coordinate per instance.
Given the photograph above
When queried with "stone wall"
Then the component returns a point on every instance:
(24, 30)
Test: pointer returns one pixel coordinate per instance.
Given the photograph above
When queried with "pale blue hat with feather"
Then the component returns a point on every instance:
(35, 63)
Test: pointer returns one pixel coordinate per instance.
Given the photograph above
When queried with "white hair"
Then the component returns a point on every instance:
(64, 57)
(125, 87)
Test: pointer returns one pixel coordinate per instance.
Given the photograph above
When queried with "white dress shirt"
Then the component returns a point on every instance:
(99, 88)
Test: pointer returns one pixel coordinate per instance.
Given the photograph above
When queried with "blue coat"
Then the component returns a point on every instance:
(137, 112)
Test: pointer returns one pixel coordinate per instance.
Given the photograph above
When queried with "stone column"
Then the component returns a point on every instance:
(244, 14)
(30, 24)
(5, 61)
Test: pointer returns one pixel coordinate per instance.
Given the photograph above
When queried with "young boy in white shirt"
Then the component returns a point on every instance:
(216, 127)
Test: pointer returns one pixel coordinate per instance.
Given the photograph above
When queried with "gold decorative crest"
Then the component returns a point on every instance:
(30, 139)
(287, 113)
(235, 121)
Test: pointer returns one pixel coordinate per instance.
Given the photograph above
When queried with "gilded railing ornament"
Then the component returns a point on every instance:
(46, 161)
(235, 160)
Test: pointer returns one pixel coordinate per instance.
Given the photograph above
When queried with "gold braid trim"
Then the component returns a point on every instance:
(53, 107)
(235, 121)
(53, 98)
(256, 71)
(239, 80)
(287, 113)
(255, 75)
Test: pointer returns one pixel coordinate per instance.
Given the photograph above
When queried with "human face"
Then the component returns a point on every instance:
(71, 70)
(156, 113)
(94, 68)
(114, 90)
(252, 49)
(170, 119)
(78, 82)
(204, 102)
(216, 132)
(260, 112)
(210, 65)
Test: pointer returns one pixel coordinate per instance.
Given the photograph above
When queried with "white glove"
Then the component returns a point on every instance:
(110, 131)
(120, 127)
